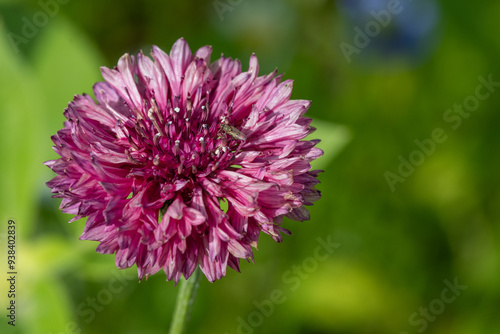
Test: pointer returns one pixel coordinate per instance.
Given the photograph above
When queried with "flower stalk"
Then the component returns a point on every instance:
(184, 302)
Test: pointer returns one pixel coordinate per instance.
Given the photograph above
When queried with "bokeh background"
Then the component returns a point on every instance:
(400, 236)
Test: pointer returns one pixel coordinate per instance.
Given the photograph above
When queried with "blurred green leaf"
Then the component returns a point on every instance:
(20, 132)
(340, 293)
(66, 63)
(52, 311)
(333, 137)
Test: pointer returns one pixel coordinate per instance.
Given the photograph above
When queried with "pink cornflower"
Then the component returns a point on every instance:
(170, 139)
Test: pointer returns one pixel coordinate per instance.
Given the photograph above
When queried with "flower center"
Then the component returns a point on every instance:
(182, 141)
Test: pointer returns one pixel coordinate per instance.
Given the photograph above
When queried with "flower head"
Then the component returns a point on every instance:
(171, 139)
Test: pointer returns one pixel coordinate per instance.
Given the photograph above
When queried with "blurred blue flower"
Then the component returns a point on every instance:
(405, 29)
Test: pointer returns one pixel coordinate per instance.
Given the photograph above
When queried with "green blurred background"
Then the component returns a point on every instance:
(398, 242)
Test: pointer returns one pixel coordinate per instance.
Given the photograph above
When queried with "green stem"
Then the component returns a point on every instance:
(185, 299)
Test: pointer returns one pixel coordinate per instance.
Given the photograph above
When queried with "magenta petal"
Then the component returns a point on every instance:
(176, 209)
(204, 53)
(181, 56)
(154, 78)
(194, 217)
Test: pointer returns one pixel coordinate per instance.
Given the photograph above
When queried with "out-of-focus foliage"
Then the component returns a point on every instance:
(401, 238)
